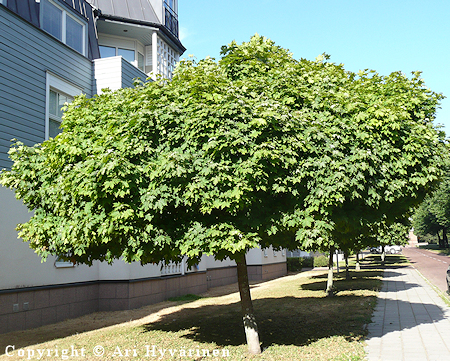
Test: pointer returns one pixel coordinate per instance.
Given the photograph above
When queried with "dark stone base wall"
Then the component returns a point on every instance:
(40, 306)
(267, 271)
(52, 304)
(216, 277)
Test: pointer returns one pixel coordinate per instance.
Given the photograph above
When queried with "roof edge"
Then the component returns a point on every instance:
(161, 27)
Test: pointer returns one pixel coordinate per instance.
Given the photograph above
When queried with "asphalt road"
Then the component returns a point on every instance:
(433, 266)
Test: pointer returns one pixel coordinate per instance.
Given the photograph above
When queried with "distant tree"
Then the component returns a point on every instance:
(433, 215)
(227, 156)
(380, 154)
(392, 234)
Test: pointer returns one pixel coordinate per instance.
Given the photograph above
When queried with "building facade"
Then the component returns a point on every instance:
(51, 51)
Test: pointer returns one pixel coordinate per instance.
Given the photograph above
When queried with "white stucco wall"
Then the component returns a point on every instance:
(212, 263)
(258, 256)
(19, 265)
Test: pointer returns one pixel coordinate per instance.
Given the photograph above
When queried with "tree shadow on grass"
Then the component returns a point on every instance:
(359, 281)
(281, 321)
(391, 261)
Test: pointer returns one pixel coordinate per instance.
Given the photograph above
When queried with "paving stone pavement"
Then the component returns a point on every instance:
(410, 322)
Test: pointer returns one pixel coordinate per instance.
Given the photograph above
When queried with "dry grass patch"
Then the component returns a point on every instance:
(296, 322)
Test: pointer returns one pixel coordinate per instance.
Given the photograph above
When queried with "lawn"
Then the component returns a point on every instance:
(295, 319)
(435, 249)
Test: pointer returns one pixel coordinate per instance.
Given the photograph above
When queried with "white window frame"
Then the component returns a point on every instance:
(119, 42)
(59, 85)
(65, 13)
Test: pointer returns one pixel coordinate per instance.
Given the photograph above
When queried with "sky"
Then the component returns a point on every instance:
(383, 35)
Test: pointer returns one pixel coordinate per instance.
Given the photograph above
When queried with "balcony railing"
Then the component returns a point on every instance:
(171, 20)
(171, 269)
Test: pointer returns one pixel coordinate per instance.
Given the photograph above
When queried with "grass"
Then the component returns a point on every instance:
(186, 298)
(435, 249)
(296, 322)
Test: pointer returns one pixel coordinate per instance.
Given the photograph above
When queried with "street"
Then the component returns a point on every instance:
(433, 266)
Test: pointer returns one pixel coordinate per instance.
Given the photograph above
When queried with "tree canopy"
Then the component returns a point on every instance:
(255, 149)
(432, 217)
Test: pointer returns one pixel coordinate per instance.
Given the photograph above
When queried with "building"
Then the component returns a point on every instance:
(51, 51)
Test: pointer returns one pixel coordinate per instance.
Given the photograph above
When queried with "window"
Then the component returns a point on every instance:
(62, 25)
(52, 19)
(141, 61)
(74, 34)
(60, 263)
(126, 54)
(109, 51)
(128, 48)
(56, 102)
(59, 92)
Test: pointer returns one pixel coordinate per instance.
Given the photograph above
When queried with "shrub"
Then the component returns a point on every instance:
(321, 261)
(308, 262)
(294, 264)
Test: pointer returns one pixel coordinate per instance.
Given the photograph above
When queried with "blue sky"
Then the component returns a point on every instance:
(384, 35)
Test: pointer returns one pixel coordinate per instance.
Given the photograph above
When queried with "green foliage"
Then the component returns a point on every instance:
(395, 233)
(294, 264)
(321, 261)
(307, 262)
(185, 298)
(229, 155)
(433, 214)
(429, 238)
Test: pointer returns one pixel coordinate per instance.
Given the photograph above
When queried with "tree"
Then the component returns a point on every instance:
(379, 147)
(227, 156)
(433, 214)
(385, 234)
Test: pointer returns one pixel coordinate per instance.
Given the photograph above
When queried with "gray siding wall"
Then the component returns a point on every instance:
(129, 73)
(26, 53)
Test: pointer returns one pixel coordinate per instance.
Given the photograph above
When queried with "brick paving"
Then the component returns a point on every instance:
(410, 322)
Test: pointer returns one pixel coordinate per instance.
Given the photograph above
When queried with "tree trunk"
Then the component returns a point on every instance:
(337, 262)
(444, 237)
(383, 255)
(441, 243)
(357, 267)
(347, 271)
(330, 288)
(250, 327)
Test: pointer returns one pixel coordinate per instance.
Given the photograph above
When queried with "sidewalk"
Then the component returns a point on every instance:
(410, 322)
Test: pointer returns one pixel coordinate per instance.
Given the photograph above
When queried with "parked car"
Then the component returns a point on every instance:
(392, 249)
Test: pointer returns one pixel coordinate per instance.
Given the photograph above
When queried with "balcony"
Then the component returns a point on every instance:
(171, 20)
(114, 73)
